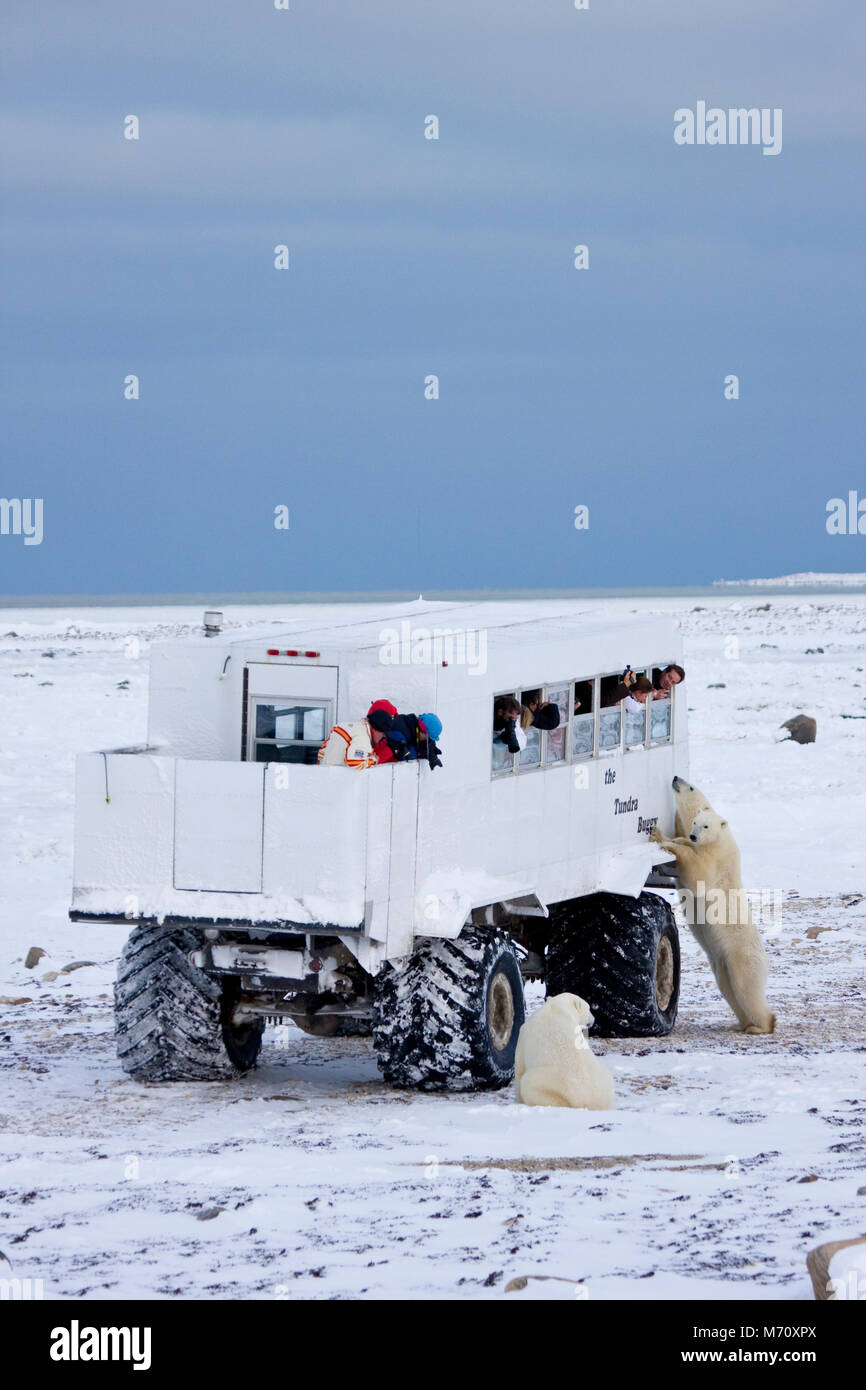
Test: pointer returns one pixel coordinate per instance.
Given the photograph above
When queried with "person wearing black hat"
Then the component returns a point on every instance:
(507, 713)
(538, 715)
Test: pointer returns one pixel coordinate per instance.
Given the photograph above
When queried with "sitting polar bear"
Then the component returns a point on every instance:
(708, 868)
(554, 1063)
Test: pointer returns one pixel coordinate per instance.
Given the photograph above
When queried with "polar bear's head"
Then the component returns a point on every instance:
(575, 1008)
(707, 827)
(686, 794)
(688, 801)
(680, 784)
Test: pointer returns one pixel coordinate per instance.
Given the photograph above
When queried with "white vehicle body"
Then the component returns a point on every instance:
(199, 827)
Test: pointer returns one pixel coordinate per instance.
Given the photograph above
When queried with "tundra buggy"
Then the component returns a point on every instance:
(402, 902)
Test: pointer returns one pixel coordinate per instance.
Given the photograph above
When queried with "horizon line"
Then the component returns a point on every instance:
(718, 588)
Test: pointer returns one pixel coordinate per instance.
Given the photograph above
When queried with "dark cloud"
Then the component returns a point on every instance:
(412, 256)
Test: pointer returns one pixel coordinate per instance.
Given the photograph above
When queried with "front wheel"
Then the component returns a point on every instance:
(447, 1019)
(622, 955)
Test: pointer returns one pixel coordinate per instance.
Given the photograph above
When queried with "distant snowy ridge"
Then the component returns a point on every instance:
(796, 581)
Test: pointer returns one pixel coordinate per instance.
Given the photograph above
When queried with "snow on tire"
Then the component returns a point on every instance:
(447, 1019)
(172, 1021)
(622, 955)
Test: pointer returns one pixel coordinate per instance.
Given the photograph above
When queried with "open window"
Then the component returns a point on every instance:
(636, 719)
(538, 717)
(583, 720)
(505, 708)
(661, 713)
(287, 732)
(609, 716)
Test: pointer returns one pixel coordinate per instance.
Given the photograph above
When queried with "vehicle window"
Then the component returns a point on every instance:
(588, 725)
(635, 727)
(635, 722)
(530, 756)
(557, 739)
(609, 725)
(660, 720)
(609, 717)
(288, 733)
(501, 760)
(583, 725)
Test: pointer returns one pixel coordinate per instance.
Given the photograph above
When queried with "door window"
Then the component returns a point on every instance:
(284, 732)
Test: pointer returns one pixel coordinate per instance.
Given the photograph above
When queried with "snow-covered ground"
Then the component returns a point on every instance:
(727, 1159)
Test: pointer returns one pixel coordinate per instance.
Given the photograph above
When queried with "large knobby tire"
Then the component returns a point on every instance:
(622, 955)
(447, 1018)
(172, 1021)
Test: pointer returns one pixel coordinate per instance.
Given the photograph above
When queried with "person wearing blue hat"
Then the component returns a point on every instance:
(414, 736)
(430, 731)
(433, 724)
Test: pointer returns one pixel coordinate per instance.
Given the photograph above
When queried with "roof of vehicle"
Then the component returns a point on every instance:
(503, 623)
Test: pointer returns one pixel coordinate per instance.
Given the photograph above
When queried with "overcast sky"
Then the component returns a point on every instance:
(411, 257)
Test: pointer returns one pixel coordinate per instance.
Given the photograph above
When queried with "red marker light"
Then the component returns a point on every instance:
(272, 651)
(293, 653)
(311, 653)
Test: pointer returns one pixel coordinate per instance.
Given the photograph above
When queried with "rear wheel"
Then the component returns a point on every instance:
(172, 1021)
(622, 955)
(447, 1019)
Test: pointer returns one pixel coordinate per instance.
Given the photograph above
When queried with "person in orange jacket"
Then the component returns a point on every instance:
(362, 743)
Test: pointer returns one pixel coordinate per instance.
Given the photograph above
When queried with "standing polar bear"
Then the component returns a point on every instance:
(708, 868)
(554, 1063)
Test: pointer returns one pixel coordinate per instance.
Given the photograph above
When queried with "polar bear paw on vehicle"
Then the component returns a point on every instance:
(554, 1063)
